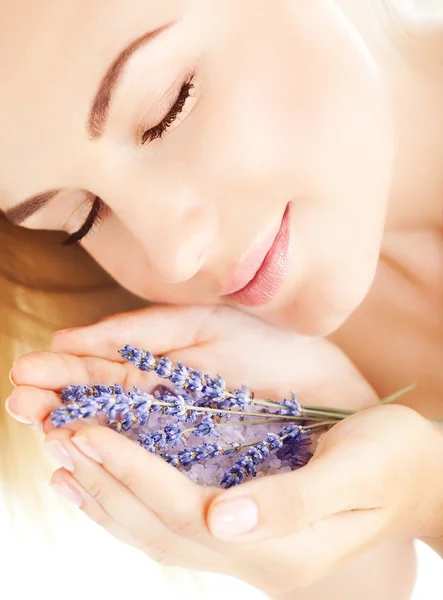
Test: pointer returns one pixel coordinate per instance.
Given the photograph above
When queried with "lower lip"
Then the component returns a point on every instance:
(270, 277)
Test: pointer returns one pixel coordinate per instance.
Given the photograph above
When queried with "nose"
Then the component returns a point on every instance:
(177, 239)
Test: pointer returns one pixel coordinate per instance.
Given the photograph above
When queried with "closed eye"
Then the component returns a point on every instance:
(159, 130)
(92, 220)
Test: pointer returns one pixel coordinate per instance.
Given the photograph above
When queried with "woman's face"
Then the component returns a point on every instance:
(199, 124)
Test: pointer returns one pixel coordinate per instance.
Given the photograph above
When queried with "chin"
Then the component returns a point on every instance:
(319, 312)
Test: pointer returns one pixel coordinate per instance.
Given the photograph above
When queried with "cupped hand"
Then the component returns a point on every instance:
(375, 476)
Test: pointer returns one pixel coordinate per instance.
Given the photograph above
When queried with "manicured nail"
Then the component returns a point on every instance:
(233, 517)
(18, 418)
(60, 454)
(68, 492)
(83, 445)
(11, 381)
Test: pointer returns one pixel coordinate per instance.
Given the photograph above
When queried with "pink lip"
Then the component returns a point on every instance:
(262, 273)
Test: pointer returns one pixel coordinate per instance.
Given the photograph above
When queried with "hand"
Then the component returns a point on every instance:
(222, 340)
(367, 482)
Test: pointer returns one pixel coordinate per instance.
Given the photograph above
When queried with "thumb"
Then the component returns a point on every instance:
(164, 328)
(278, 505)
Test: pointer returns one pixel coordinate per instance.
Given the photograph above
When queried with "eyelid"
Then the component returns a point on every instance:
(171, 96)
(95, 215)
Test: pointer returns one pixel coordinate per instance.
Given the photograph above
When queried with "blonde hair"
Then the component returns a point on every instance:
(43, 287)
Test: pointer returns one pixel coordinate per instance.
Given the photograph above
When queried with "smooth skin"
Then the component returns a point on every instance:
(329, 106)
(375, 477)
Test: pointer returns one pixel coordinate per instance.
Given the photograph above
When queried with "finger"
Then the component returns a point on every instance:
(111, 503)
(66, 486)
(31, 405)
(164, 328)
(278, 505)
(160, 546)
(316, 550)
(176, 501)
(53, 371)
(34, 405)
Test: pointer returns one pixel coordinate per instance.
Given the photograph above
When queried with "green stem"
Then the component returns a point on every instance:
(228, 412)
(239, 423)
(396, 395)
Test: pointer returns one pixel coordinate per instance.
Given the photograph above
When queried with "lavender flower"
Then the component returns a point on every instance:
(246, 464)
(155, 420)
(291, 407)
(206, 428)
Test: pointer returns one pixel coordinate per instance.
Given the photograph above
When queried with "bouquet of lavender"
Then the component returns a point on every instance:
(215, 436)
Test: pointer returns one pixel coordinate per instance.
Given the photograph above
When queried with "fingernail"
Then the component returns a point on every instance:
(60, 454)
(83, 445)
(68, 492)
(233, 517)
(11, 381)
(18, 418)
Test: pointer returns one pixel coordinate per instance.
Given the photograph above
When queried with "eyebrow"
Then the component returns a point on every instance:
(101, 103)
(96, 121)
(22, 211)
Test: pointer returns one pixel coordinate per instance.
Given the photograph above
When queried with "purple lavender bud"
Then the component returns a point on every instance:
(190, 456)
(291, 433)
(89, 410)
(147, 362)
(179, 408)
(215, 388)
(172, 459)
(131, 354)
(255, 455)
(128, 421)
(180, 376)
(141, 402)
(64, 415)
(173, 434)
(195, 381)
(192, 415)
(100, 389)
(153, 441)
(292, 407)
(246, 463)
(205, 428)
(235, 448)
(72, 393)
(273, 441)
(164, 368)
(212, 449)
(242, 397)
(296, 451)
(263, 449)
(234, 476)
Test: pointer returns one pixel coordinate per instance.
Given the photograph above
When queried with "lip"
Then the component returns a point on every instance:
(263, 271)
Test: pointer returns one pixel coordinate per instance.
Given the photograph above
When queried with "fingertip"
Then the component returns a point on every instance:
(230, 519)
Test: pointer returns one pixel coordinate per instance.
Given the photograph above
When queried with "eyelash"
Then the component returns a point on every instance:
(92, 220)
(159, 130)
(96, 213)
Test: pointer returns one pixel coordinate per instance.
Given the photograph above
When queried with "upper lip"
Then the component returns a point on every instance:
(252, 260)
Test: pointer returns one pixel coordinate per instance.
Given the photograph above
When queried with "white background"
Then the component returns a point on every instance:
(83, 561)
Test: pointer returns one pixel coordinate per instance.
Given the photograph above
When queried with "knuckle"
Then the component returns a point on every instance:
(96, 491)
(185, 525)
(159, 553)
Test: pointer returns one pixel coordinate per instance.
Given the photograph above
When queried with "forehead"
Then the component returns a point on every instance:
(52, 57)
